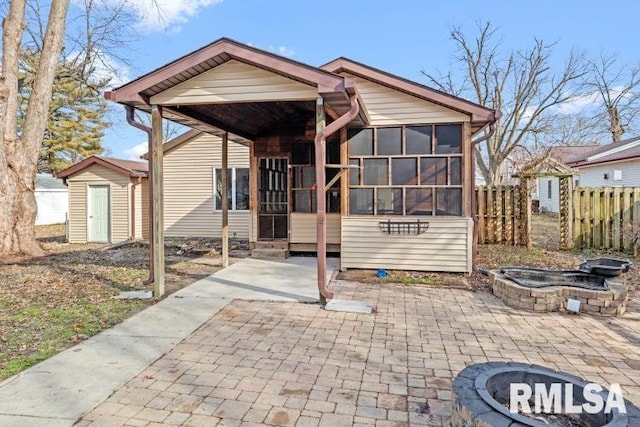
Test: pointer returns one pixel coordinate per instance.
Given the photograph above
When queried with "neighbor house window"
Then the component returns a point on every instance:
(549, 189)
(238, 189)
(406, 170)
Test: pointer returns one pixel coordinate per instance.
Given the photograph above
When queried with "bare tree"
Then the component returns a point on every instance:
(521, 84)
(617, 87)
(19, 154)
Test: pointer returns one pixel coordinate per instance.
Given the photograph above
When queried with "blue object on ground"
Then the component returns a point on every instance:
(382, 273)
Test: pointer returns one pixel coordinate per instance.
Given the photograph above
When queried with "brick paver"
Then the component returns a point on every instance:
(257, 363)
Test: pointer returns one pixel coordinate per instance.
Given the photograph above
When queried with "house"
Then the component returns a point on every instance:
(192, 170)
(342, 157)
(610, 165)
(52, 198)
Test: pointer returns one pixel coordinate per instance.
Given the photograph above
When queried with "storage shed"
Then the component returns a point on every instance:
(106, 200)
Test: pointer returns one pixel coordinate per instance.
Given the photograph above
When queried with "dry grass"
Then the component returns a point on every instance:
(52, 302)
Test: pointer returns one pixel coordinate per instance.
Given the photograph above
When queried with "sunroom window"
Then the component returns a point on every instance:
(303, 177)
(406, 170)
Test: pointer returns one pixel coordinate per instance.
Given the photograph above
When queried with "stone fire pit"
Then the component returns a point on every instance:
(481, 391)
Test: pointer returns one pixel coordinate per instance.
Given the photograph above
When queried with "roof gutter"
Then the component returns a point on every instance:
(321, 212)
(132, 121)
(474, 198)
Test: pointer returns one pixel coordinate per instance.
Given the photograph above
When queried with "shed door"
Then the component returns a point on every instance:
(98, 213)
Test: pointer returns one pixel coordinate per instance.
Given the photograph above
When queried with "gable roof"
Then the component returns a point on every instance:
(336, 90)
(571, 153)
(129, 168)
(480, 116)
(616, 151)
(546, 166)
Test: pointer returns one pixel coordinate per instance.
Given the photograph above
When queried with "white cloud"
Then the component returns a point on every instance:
(165, 15)
(577, 104)
(280, 50)
(106, 67)
(136, 151)
(283, 51)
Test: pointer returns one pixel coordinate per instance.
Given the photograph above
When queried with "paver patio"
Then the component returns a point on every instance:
(257, 363)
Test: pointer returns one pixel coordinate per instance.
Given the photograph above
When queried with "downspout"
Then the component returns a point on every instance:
(474, 198)
(321, 213)
(132, 121)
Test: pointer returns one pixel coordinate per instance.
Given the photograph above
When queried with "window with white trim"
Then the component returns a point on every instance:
(237, 192)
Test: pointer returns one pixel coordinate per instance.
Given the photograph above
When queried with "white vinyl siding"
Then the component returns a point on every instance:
(391, 107)
(235, 81)
(549, 202)
(593, 176)
(120, 213)
(188, 189)
(303, 228)
(445, 246)
(53, 205)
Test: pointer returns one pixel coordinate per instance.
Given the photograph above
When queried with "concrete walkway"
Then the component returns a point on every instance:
(61, 389)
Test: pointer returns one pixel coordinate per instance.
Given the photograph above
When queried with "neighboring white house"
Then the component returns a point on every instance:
(611, 165)
(52, 197)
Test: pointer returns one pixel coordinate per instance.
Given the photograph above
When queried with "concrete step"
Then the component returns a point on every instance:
(269, 253)
(273, 244)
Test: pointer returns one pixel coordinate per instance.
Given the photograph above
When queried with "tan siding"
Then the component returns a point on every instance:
(119, 203)
(77, 211)
(303, 228)
(145, 208)
(235, 81)
(444, 247)
(188, 189)
(390, 107)
(138, 210)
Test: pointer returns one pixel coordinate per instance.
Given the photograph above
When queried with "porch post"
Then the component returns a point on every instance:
(225, 200)
(321, 225)
(157, 218)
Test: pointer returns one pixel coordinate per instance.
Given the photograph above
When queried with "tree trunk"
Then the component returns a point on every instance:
(616, 128)
(19, 157)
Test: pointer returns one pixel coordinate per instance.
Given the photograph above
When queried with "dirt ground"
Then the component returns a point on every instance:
(52, 302)
(492, 257)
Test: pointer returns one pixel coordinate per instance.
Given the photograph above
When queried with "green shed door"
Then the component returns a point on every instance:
(98, 209)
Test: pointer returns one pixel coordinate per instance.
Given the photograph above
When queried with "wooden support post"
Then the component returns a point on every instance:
(157, 220)
(225, 200)
(321, 216)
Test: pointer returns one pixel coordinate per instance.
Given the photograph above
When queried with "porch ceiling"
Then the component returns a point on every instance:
(249, 120)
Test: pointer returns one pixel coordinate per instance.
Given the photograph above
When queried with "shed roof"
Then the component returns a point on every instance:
(124, 167)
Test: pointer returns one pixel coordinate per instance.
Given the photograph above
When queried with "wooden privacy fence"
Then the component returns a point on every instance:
(607, 218)
(502, 215)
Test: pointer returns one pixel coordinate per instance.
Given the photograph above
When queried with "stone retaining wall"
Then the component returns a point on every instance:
(554, 298)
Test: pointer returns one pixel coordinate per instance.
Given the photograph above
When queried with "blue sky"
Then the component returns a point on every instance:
(402, 37)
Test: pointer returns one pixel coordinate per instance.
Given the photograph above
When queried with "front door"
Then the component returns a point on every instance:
(98, 213)
(273, 199)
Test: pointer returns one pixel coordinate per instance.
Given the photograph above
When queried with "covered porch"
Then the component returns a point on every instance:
(293, 118)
